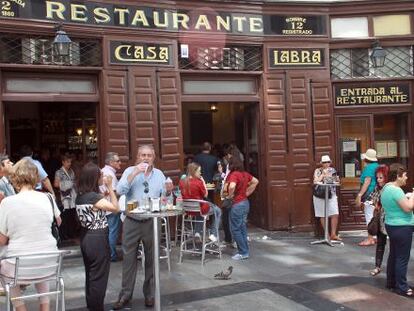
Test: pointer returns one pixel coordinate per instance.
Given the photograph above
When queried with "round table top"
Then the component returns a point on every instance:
(139, 214)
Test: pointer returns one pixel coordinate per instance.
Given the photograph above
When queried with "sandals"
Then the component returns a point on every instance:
(409, 293)
(367, 242)
(375, 271)
(335, 238)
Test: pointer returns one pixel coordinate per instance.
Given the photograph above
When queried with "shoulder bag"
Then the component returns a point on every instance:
(54, 227)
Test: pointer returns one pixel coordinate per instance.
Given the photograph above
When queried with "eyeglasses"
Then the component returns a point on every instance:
(145, 184)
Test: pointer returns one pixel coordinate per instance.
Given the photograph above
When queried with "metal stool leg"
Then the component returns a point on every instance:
(167, 241)
(203, 250)
(182, 239)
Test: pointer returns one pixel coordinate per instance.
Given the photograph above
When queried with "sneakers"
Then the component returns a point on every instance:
(239, 257)
(197, 236)
(212, 238)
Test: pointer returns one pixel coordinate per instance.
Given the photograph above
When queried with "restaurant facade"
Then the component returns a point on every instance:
(286, 81)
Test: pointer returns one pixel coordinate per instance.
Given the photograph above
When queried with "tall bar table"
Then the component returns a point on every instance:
(326, 239)
(137, 214)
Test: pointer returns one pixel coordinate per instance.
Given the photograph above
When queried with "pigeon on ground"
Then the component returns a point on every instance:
(224, 275)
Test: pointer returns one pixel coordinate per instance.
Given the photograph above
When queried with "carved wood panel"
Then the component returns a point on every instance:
(114, 114)
(322, 120)
(351, 216)
(171, 137)
(300, 144)
(143, 109)
(276, 153)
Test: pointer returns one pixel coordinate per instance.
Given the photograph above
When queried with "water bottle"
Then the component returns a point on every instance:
(178, 200)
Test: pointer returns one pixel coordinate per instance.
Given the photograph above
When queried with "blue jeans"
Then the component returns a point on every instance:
(238, 225)
(114, 223)
(400, 247)
(198, 227)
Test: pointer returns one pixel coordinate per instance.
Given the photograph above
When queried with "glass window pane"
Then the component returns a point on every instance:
(354, 139)
(389, 25)
(398, 63)
(360, 63)
(42, 85)
(354, 27)
(391, 138)
(201, 87)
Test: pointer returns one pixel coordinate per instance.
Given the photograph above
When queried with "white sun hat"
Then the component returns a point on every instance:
(370, 155)
(325, 158)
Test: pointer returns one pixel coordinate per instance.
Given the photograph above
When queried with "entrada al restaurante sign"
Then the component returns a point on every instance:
(372, 94)
(138, 17)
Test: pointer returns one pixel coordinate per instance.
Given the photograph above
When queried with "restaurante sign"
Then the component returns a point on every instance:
(372, 94)
(205, 20)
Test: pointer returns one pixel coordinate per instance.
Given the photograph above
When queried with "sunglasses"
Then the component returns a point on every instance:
(326, 162)
(146, 189)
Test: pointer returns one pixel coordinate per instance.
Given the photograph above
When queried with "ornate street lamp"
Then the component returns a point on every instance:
(61, 43)
(378, 55)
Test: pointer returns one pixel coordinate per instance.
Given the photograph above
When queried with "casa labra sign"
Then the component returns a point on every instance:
(296, 57)
(372, 94)
(141, 17)
(139, 53)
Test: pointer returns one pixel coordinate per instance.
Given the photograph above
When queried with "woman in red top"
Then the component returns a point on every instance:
(193, 186)
(240, 185)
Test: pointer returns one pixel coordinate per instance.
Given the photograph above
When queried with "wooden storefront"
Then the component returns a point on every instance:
(137, 69)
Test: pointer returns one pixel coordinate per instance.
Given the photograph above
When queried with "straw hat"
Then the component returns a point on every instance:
(325, 158)
(370, 155)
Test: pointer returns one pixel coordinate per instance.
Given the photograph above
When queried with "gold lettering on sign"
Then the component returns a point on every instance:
(78, 13)
(55, 10)
(202, 21)
(140, 18)
(180, 18)
(223, 24)
(297, 57)
(296, 26)
(371, 95)
(141, 53)
(121, 15)
(157, 21)
(164, 53)
(239, 21)
(101, 15)
(256, 24)
(6, 9)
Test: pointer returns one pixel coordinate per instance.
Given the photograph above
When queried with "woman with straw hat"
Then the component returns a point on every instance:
(368, 183)
(327, 174)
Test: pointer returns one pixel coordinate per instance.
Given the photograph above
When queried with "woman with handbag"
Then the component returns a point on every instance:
(368, 183)
(326, 174)
(25, 226)
(91, 207)
(240, 186)
(65, 182)
(399, 223)
(377, 226)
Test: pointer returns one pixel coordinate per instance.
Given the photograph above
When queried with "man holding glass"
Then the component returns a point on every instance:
(139, 183)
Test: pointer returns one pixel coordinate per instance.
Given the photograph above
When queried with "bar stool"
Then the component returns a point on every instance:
(165, 237)
(191, 208)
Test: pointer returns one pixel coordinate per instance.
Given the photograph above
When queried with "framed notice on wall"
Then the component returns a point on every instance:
(382, 149)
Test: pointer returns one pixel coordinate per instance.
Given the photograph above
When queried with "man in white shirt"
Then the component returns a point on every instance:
(112, 164)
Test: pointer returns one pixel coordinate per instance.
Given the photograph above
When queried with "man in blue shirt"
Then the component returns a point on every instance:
(139, 183)
(207, 161)
(6, 189)
(44, 181)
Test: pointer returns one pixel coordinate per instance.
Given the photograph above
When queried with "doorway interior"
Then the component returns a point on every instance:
(59, 127)
(222, 123)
